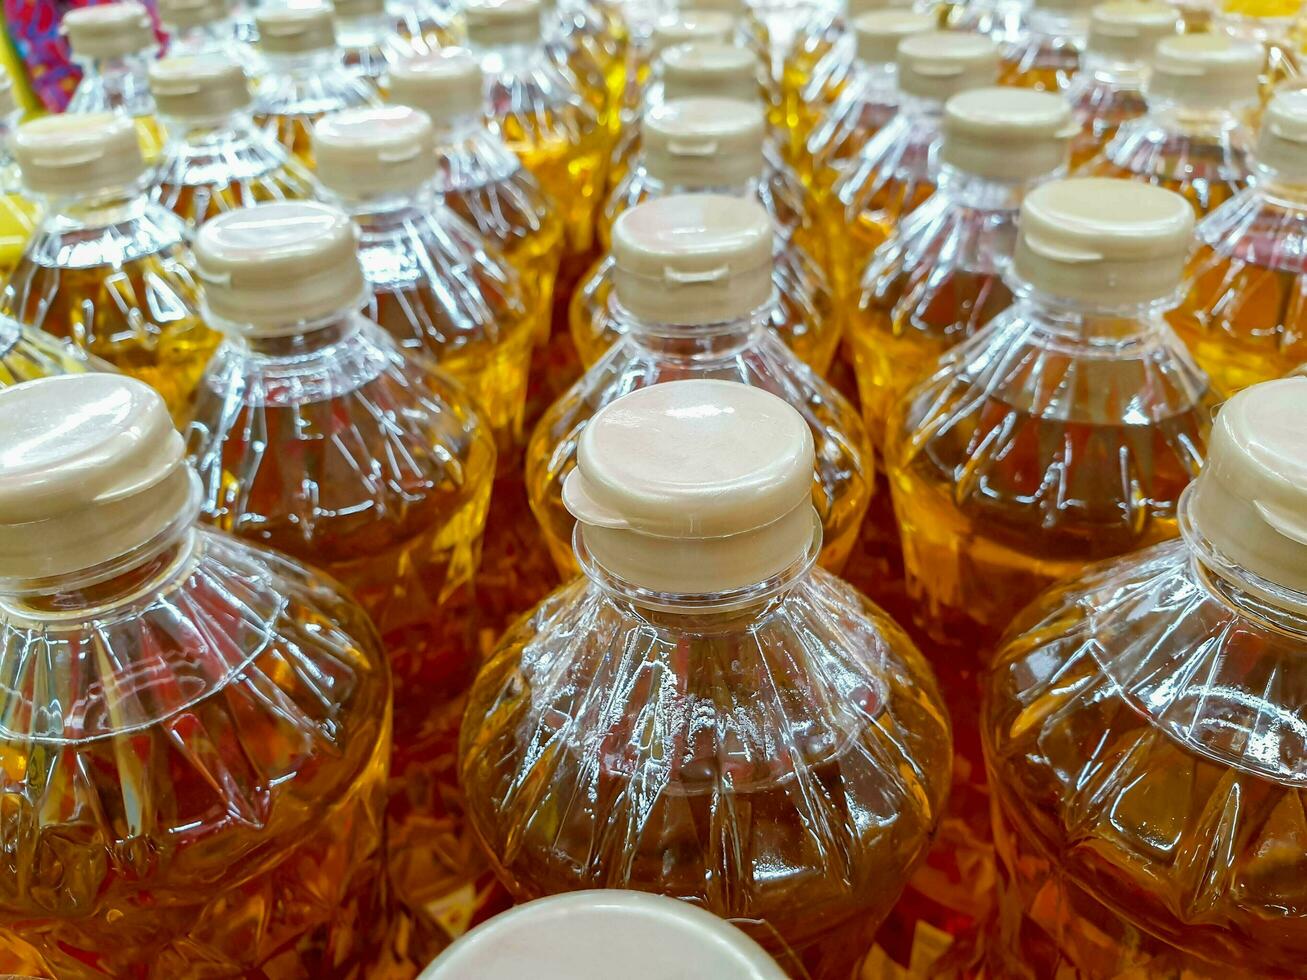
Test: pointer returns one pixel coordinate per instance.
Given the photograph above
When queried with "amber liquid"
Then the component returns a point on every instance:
(1102, 111)
(197, 203)
(27, 354)
(139, 317)
(18, 217)
(1040, 65)
(1131, 855)
(294, 133)
(892, 199)
(1244, 322)
(1000, 505)
(1197, 170)
(241, 836)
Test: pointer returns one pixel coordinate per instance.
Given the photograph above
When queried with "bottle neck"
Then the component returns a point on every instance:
(1079, 322)
(362, 32)
(656, 187)
(1287, 189)
(210, 131)
(468, 154)
(970, 190)
(308, 339)
(692, 342)
(109, 207)
(920, 110)
(1209, 123)
(1055, 23)
(217, 36)
(305, 64)
(384, 215)
(1109, 73)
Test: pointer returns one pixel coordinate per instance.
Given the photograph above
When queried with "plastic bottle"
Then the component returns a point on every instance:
(1193, 139)
(216, 158)
(725, 723)
(18, 212)
(436, 285)
(1109, 89)
(106, 268)
(371, 45)
(1144, 735)
(584, 933)
(204, 28)
(1045, 54)
(479, 178)
(938, 279)
(592, 38)
(1063, 433)
(113, 43)
(1270, 25)
(306, 75)
(427, 26)
(313, 432)
(867, 97)
(540, 112)
(716, 145)
(897, 168)
(694, 297)
(197, 730)
(1241, 312)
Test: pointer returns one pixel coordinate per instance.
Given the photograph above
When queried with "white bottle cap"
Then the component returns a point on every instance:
(1103, 241)
(1007, 133)
(78, 153)
(1282, 139)
(109, 30)
(296, 30)
(1205, 71)
(365, 152)
(685, 26)
(879, 33)
(939, 64)
(206, 87)
(1128, 31)
(704, 142)
(692, 259)
(708, 68)
(91, 470)
(502, 23)
(1250, 501)
(269, 269)
(695, 487)
(446, 84)
(181, 14)
(580, 935)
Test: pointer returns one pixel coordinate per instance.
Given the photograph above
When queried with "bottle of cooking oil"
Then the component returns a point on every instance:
(751, 31)
(203, 28)
(113, 43)
(427, 26)
(437, 286)
(716, 145)
(1241, 312)
(768, 745)
(479, 178)
(305, 74)
(216, 159)
(1143, 731)
(591, 38)
(585, 933)
(371, 46)
(106, 268)
(1270, 24)
(18, 212)
(1046, 52)
(938, 278)
(1065, 432)
(694, 296)
(863, 91)
(1193, 139)
(897, 168)
(536, 108)
(197, 729)
(1109, 88)
(315, 433)
(817, 65)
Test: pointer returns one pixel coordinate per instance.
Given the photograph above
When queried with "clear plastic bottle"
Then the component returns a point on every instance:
(1109, 88)
(898, 167)
(1046, 52)
(197, 730)
(705, 714)
(371, 46)
(113, 43)
(864, 91)
(436, 285)
(591, 37)
(19, 213)
(427, 26)
(479, 178)
(27, 354)
(1065, 432)
(938, 279)
(538, 109)
(107, 268)
(313, 432)
(695, 297)
(1144, 731)
(1242, 310)
(204, 28)
(817, 64)
(585, 933)
(216, 158)
(306, 75)
(1270, 25)
(716, 145)
(1193, 140)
